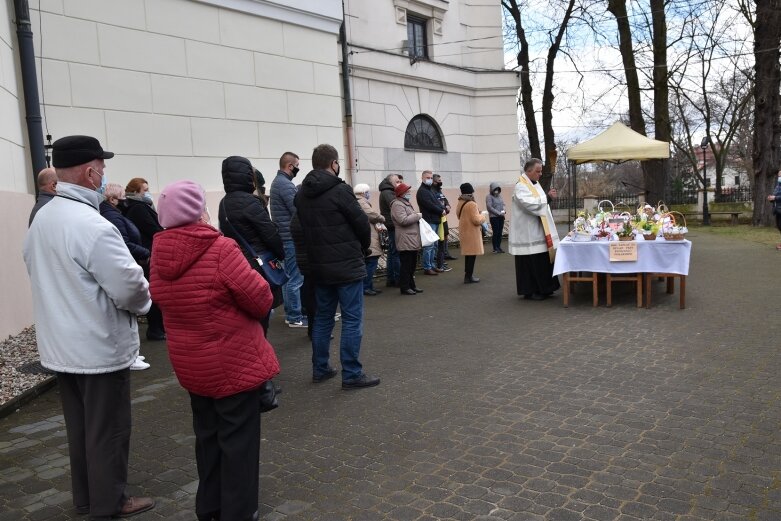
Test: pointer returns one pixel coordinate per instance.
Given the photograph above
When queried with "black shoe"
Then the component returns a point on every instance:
(408, 292)
(325, 376)
(369, 292)
(377, 291)
(362, 381)
(450, 257)
(83, 510)
(471, 280)
(155, 337)
(416, 290)
(534, 296)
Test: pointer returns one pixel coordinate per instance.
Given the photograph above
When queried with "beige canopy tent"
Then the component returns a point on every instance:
(616, 144)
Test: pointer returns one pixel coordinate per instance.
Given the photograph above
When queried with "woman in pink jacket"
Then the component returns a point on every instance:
(212, 302)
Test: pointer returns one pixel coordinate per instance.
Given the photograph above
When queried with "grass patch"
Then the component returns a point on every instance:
(745, 232)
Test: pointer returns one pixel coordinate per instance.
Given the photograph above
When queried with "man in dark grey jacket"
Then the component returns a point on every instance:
(283, 192)
(336, 236)
(47, 189)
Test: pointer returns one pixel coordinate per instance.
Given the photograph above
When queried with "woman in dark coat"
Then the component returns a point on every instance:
(249, 217)
(109, 209)
(139, 208)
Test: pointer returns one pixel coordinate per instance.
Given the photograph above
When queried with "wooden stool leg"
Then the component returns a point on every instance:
(595, 290)
(682, 278)
(648, 278)
(670, 284)
(609, 284)
(639, 284)
(566, 290)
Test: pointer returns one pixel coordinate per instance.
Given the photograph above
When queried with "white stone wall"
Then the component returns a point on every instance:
(476, 110)
(172, 87)
(175, 86)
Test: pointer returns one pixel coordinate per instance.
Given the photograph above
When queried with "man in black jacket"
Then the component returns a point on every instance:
(336, 235)
(432, 210)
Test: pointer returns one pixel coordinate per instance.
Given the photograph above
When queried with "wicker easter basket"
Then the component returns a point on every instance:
(668, 236)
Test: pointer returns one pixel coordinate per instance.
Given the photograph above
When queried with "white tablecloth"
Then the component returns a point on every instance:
(659, 256)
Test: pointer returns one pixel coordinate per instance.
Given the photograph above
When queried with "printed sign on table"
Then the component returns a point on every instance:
(623, 251)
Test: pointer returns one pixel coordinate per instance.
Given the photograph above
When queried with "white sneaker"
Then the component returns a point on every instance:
(141, 357)
(139, 365)
(337, 317)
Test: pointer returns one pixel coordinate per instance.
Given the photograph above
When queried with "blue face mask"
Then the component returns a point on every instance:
(407, 196)
(102, 188)
(367, 195)
(148, 197)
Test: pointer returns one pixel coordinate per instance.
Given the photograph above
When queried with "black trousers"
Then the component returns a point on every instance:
(97, 419)
(469, 265)
(227, 452)
(778, 220)
(407, 273)
(497, 226)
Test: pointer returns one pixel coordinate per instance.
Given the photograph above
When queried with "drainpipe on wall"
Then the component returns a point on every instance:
(348, 111)
(32, 105)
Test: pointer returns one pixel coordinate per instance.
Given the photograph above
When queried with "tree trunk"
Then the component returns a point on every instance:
(527, 103)
(656, 171)
(618, 9)
(549, 138)
(767, 107)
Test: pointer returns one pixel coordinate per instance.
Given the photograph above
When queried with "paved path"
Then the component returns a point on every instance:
(490, 408)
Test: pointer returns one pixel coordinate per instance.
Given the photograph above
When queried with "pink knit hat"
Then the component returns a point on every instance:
(180, 203)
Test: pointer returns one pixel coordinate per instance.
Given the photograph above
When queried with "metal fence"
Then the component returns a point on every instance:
(622, 199)
(685, 196)
(734, 194)
(562, 203)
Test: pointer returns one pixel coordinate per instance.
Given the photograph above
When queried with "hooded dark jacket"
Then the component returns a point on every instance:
(387, 195)
(336, 232)
(248, 214)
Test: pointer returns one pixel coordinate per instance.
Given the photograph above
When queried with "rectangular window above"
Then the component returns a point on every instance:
(417, 39)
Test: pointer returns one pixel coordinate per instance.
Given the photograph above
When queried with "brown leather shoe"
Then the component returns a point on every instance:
(136, 505)
(430, 272)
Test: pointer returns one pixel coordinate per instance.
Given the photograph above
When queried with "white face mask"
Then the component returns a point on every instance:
(407, 196)
(428, 182)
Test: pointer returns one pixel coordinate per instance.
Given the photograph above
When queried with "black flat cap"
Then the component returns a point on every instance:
(77, 150)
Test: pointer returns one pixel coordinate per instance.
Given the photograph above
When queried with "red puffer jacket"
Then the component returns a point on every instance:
(212, 301)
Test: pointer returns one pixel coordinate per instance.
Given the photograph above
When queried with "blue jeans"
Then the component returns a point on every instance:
(371, 266)
(349, 297)
(290, 291)
(429, 259)
(393, 264)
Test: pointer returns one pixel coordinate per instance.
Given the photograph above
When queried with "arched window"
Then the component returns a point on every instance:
(423, 134)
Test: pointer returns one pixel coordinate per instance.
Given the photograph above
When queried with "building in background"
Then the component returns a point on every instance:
(174, 86)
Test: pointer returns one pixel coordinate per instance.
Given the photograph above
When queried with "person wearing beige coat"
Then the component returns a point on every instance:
(377, 222)
(470, 221)
(405, 220)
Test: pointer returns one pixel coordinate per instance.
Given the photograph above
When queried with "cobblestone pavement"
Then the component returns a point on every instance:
(490, 408)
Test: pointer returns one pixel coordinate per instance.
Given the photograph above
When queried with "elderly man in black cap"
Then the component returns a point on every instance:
(87, 291)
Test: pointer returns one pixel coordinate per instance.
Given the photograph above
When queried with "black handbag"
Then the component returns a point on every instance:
(269, 398)
(273, 268)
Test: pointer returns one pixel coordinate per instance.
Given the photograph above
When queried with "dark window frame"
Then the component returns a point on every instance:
(417, 28)
(424, 134)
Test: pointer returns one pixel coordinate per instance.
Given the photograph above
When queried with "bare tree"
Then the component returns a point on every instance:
(556, 36)
(711, 88)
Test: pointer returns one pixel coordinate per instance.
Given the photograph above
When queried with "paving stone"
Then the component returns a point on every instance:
(658, 414)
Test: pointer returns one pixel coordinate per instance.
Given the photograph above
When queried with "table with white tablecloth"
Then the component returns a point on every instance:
(659, 257)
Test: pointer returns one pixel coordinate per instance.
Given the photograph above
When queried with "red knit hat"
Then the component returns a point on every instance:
(401, 189)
